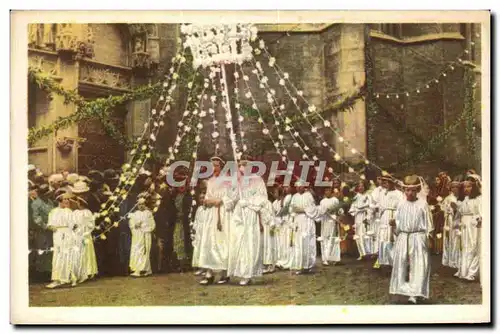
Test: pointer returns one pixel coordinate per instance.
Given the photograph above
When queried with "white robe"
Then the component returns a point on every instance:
(376, 195)
(214, 245)
(413, 226)
(303, 231)
(360, 210)
(468, 264)
(285, 245)
(199, 227)
(451, 246)
(246, 239)
(60, 219)
(326, 213)
(84, 258)
(387, 206)
(140, 248)
(270, 239)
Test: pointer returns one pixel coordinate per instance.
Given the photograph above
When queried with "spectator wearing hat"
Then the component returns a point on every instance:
(60, 218)
(142, 225)
(413, 224)
(41, 205)
(387, 205)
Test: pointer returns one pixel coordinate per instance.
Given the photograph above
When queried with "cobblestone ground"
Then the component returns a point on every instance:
(352, 283)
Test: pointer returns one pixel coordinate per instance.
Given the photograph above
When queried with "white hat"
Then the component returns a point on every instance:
(31, 167)
(79, 187)
(56, 178)
(73, 178)
(300, 183)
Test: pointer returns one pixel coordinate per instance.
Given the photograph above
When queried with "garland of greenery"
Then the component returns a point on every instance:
(98, 108)
(371, 105)
(469, 112)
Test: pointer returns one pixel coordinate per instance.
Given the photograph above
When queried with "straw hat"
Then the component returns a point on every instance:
(217, 159)
(79, 187)
(73, 178)
(65, 195)
(411, 181)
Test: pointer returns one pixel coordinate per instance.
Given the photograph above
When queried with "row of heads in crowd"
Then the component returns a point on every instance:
(58, 184)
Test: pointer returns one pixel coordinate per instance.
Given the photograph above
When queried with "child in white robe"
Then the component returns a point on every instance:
(375, 195)
(361, 211)
(329, 239)
(59, 221)
(269, 242)
(387, 206)
(469, 233)
(199, 228)
(303, 212)
(411, 263)
(142, 225)
(278, 230)
(84, 258)
(451, 247)
(252, 213)
(285, 231)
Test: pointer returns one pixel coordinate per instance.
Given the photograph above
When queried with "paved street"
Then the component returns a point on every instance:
(352, 283)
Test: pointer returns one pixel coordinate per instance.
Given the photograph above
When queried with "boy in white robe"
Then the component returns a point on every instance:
(142, 225)
(411, 263)
(329, 239)
(59, 222)
(303, 212)
(360, 210)
(278, 230)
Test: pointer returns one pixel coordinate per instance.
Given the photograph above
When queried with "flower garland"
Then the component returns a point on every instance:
(469, 113)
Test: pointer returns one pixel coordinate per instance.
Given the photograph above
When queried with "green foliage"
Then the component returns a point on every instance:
(99, 108)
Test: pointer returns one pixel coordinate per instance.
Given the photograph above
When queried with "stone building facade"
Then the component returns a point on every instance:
(327, 61)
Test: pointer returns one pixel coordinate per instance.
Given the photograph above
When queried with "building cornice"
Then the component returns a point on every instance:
(417, 39)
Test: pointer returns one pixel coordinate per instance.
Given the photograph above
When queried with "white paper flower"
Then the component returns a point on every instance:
(312, 108)
(314, 129)
(280, 136)
(248, 95)
(265, 131)
(300, 93)
(296, 144)
(341, 139)
(272, 61)
(215, 134)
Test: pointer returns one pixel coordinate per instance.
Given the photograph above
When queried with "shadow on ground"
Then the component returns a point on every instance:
(353, 283)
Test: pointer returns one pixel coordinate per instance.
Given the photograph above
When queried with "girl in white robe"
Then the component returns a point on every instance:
(142, 225)
(387, 206)
(278, 230)
(470, 222)
(411, 263)
(451, 246)
(360, 210)
(285, 232)
(220, 199)
(270, 242)
(59, 221)
(329, 240)
(375, 195)
(85, 262)
(199, 227)
(303, 212)
(252, 213)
